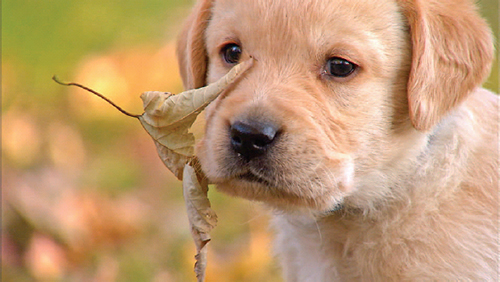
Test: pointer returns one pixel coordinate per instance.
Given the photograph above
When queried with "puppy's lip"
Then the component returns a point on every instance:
(251, 177)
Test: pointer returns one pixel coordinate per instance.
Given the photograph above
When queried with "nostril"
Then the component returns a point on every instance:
(259, 143)
(251, 139)
(266, 137)
(236, 139)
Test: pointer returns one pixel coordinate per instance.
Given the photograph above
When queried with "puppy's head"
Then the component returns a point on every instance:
(339, 90)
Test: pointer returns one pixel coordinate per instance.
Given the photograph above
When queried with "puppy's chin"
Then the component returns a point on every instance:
(282, 198)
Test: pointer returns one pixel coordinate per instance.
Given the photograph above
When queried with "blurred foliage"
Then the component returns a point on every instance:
(490, 9)
(84, 194)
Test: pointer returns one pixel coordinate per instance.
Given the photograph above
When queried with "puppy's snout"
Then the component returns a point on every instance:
(252, 139)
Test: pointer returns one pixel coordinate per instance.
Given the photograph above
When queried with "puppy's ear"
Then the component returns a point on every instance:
(452, 54)
(191, 51)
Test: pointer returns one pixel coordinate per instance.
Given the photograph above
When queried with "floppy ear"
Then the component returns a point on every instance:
(191, 51)
(452, 54)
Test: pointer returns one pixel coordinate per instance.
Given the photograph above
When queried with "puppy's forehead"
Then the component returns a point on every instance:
(315, 22)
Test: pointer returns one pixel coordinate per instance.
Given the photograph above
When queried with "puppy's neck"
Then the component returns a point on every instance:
(429, 165)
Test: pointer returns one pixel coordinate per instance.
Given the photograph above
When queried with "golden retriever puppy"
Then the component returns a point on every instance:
(363, 125)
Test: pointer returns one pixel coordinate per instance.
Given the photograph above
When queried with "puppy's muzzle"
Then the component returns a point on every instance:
(251, 139)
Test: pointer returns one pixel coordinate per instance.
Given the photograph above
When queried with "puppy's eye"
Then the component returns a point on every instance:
(231, 53)
(339, 67)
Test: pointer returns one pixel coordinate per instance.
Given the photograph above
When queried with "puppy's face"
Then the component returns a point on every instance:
(336, 86)
(318, 104)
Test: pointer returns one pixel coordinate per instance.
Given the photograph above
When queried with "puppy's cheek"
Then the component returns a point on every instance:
(210, 110)
(338, 180)
(212, 150)
(202, 154)
(207, 152)
(346, 177)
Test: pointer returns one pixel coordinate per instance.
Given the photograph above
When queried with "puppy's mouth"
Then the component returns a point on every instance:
(251, 177)
(259, 159)
(283, 187)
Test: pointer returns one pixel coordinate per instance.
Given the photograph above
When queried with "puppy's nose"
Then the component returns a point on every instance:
(252, 139)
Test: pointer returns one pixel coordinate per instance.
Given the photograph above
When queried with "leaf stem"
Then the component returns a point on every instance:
(97, 94)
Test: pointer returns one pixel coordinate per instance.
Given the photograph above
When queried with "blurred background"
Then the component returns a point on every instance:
(84, 195)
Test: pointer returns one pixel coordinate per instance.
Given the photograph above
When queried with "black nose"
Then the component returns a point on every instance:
(252, 139)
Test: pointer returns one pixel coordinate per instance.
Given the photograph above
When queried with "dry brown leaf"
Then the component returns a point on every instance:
(167, 117)
(202, 218)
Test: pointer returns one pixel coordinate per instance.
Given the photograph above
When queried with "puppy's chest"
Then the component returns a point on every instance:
(311, 252)
(333, 250)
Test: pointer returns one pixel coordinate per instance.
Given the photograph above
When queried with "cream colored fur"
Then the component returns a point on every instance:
(407, 145)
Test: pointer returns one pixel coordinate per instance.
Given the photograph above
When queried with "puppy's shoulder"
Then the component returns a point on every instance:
(483, 110)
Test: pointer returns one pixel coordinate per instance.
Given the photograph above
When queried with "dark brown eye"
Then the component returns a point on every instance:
(231, 53)
(339, 67)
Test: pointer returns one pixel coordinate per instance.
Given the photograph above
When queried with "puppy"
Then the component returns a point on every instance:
(362, 125)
